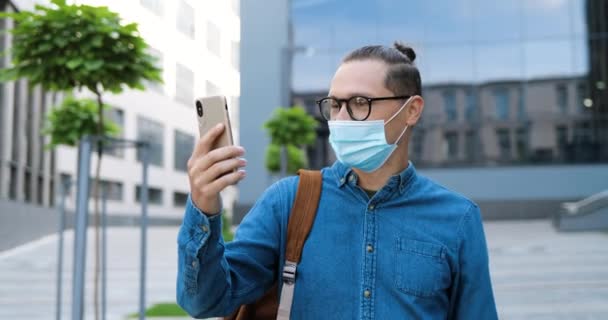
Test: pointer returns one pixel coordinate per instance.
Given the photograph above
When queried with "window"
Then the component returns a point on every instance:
(451, 139)
(118, 117)
(501, 100)
(418, 144)
(470, 145)
(504, 144)
(184, 144)
(583, 133)
(156, 86)
(582, 97)
(185, 19)
(112, 189)
(235, 56)
(521, 105)
(179, 199)
(471, 105)
(213, 38)
(151, 132)
(212, 89)
(155, 6)
(236, 7)
(449, 103)
(155, 195)
(561, 135)
(184, 85)
(522, 136)
(561, 96)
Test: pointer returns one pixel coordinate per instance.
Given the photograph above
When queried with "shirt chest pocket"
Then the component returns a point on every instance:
(421, 268)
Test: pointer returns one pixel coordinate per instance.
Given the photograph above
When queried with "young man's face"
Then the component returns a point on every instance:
(366, 78)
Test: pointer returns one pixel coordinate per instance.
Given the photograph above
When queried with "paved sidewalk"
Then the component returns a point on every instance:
(28, 274)
(537, 273)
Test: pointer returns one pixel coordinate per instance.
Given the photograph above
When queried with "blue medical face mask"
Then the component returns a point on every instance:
(362, 144)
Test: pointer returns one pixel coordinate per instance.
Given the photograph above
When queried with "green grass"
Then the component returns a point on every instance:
(163, 310)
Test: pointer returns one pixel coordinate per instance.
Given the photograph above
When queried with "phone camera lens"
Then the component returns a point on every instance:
(199, 108)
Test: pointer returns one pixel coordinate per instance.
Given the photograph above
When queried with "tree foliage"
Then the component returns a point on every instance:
(73, 119)
(63, 47)
(293, 128)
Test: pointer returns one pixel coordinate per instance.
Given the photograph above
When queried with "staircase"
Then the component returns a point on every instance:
(588, 214)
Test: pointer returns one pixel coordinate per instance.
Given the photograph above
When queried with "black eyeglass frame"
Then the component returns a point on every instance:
(348, 108)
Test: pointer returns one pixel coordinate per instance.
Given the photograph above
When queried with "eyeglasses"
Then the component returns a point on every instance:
(359, 108)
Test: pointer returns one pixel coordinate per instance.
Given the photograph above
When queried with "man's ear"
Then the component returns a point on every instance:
(414, 111)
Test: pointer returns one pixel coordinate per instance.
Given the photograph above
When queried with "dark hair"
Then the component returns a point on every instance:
(403, 77)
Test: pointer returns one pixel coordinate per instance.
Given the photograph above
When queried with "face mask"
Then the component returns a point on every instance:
(362, 144)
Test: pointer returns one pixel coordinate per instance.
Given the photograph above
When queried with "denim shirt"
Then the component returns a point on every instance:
(415, 250)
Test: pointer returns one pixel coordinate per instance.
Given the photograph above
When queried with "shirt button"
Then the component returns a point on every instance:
(351, 178)
(371, 207)
(367, 294)
(342, 181)
(194, 263)
(204, 228)
(370, 248)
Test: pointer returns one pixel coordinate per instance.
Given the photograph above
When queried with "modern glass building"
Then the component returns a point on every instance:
(505, 82)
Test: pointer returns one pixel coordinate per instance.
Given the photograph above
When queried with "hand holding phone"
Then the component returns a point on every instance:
(215, 161)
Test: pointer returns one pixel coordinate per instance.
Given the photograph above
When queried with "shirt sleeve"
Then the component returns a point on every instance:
(472, 296)
(214, 277)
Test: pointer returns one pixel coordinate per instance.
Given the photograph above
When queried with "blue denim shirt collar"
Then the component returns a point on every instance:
(403, 180)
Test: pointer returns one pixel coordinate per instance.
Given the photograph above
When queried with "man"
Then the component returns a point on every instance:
(387, 243)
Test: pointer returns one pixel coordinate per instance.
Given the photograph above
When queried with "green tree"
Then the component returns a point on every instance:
(292, 128)
(63, 47)
(73, 119)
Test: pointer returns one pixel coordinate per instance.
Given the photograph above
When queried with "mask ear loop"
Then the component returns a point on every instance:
(393, 117)
(398, 111)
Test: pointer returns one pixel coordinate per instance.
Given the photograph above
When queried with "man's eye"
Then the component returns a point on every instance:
(331, 104)
(360, 101)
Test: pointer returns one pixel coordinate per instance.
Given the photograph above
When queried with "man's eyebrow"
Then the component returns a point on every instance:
(352, 94)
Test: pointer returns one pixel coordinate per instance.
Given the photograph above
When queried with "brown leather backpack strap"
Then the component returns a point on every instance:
(303, 212)
(301, 219)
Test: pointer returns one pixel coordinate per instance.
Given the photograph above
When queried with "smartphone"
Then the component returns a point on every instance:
(210, 111)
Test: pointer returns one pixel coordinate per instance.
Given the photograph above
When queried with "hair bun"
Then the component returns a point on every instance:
(406, 50)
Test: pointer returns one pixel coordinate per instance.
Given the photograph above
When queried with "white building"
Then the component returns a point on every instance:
(197, 43)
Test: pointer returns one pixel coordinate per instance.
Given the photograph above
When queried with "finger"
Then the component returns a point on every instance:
(223, 167)
(227, 180)
(204, 176)
(220, 154)
(204, 144)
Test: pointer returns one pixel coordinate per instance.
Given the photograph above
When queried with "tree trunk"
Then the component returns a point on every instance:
(96, 192)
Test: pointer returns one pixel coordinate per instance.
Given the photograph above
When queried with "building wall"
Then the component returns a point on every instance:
(507, 183)
(522, 191)
(26, 168)
(532, 116)
(264, 47)
(208, 47)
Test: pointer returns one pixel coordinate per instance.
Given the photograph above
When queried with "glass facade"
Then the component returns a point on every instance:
(184, 85)
(512, 71)
(183, 144)
(185, 19)
(155, 195)
(151, 132)
(213, 38)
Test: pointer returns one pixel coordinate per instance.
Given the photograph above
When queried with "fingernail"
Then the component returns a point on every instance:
(243, 172)
(219, 125)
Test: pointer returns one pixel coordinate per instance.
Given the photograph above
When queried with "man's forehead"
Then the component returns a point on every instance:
(364, 77)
